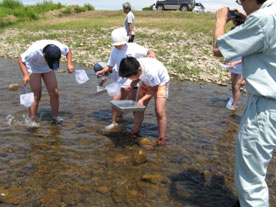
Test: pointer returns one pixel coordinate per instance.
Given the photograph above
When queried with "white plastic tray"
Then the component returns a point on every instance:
(127, 105)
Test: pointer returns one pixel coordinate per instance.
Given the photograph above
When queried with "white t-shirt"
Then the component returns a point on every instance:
(238, 68)
(129, 20)
(132, 50)
(154, 73)
(33, 57)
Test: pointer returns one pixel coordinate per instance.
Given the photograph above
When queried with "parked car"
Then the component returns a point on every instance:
(182, 5)
(199, 7)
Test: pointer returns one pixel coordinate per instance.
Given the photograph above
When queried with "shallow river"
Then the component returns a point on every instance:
(79, 164)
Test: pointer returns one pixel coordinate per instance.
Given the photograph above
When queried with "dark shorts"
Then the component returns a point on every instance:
(131, 38)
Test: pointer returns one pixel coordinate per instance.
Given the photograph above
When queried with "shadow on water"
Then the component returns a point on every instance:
(197, 189)
(120, 138)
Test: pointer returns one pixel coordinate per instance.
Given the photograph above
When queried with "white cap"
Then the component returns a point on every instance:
(119, 36)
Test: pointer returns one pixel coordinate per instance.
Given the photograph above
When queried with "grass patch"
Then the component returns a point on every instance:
(13, 11)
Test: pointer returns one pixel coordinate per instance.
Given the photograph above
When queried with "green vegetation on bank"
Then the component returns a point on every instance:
(13, 11)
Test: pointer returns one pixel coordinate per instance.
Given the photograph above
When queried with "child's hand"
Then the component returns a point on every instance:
(231, 65)
(26, 79)
(103, 80)
(99, 73)
(128, 87)
(70, 68)
(140, 102)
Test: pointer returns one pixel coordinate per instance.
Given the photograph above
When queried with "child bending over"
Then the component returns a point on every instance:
(155, 82)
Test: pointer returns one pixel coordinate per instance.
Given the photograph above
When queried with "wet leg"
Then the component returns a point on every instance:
(114, 111)
(36, 87)
(160, 110)
(51, 84)
(237, 79)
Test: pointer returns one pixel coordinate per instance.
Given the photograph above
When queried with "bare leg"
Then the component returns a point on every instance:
(237, 80)
(35, 83)
(114, 111)
(51, 84)
(138, 118)
(160, 110)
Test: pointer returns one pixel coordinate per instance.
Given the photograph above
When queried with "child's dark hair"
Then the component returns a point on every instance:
(260, 1)
(128, 67)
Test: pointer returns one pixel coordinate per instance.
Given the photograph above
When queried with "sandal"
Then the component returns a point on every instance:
(161, 142)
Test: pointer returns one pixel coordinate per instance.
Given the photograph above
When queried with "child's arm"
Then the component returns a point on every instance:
(104, 70)
(103, 80)
(70, 67)
(151, 54)
(26, 76)
(233, 64)
(148, 95)
(132, 85)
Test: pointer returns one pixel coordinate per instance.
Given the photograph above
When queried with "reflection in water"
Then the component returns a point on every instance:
(79, 163)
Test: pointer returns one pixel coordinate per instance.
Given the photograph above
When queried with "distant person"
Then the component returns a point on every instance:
(155, 83)
(39, 62)
(122, 49)
(129, 22)
(255, 41)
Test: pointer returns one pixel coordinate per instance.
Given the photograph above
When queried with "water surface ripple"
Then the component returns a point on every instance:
(79, 164)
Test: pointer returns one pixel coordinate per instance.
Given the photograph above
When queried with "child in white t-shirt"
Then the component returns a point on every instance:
(122, 49)
(155, 80)
(39, 62)
(237, 81)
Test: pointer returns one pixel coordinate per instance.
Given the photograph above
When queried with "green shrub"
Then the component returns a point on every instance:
(89, 7)
(148, 8)
(67, 11)
(79, 9)
(11, 4)
(9, 8)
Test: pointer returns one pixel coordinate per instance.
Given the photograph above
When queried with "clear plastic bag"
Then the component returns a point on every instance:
(113, 89)
(81, 76)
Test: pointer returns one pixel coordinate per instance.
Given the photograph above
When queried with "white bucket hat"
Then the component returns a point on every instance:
(81, 76)
(119, 37)
(26, 99)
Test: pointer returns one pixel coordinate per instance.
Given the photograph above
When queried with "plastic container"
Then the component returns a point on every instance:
(127, 105)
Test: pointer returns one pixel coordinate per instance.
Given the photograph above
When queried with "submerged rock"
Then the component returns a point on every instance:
(13, 195)
(14, 86)
(51, 198)
(155, 179)
(146, 143)
(140, 158)
(103, 190)
(207, 175)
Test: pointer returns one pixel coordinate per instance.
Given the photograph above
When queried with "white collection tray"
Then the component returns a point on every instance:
(127, 105)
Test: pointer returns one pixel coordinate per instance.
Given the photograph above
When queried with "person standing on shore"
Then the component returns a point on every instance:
(129, 22)
(40, 62)
(255, 41)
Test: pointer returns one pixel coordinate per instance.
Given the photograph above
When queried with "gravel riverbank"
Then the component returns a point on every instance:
(187, 57)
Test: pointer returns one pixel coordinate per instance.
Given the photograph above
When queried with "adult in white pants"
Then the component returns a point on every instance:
(255, 41)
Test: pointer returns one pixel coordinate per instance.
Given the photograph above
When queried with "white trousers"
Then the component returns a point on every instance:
(254, 147)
